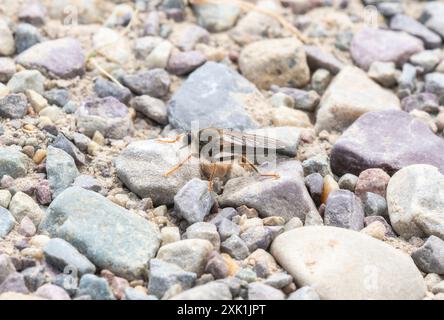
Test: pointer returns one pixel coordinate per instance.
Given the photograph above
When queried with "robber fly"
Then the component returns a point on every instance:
(216, 150)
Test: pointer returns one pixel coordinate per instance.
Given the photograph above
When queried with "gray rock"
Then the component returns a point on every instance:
(286, 196)
(371, 44)
(318, 59)
(389, 9)
(61, 170)
(125, 247)
(7, 222)
(424, 101)
(216, 17)
(374, 205)
(235, 247)
(7, 69)
(206, 231)
(33, 13)
(61, 142)
(412, 142)
(415, 196)
(344, 209)
(257, 238)
(15, 282)
(348, 182)
(432, 17)
(434, 83)
(13, 163)
(182, 63)
(315, 185)
(61, 58)
(407, 80)
(304, 293)
(154, 83)
(104, 88)
(318, 256)
(97, 288)
(279, 280)
(107, 115)
(211, 291)
(320, 80)
(27, 80)
(6, 267)
(58, 97)
(191, 254)
(133, 294)
(317, 164)
(345, 100)
(217, 266)
(215, 95)
(427, 60)
(152, 108)
(35, 277)
(13, 106)
(260, 291)
(194, 201)
(61, 254)
(430, 257)
(26, 36)
(88, 183)
(406, 23)
(142, 165)
(288, 137)
(164, 275)
(69, 283)
(227, 228)
(225, 213)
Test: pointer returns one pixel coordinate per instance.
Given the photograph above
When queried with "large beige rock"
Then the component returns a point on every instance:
(345, 264)
(279, 62)
(415, 200)
(351, 94)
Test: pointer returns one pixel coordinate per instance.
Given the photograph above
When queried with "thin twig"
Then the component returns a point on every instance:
(104, 72)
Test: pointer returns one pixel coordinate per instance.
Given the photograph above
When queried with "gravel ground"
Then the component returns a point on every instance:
(91, 91)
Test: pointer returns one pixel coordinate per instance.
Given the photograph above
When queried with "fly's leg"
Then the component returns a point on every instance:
(170, 140)
(249, 163)
(213, 172)
(272, 175)
(178, 166)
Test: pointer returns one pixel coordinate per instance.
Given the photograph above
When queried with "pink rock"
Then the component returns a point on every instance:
(27, 227)
(372, 180)
(52, 292)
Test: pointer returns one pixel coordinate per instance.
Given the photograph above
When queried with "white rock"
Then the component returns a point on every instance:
(5, 198)
(415, 198)
(23, 205)
(350, 95)
(7, 43)
(345, 264)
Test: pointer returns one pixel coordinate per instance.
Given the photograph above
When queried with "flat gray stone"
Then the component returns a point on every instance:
(211, 291)
(95, 287)
(344, 210)
(7, 222)
(430, 256)
(194, 201)
(108, 235)
(318, 257)
(214, 95)
(286, 196)
(164, 275)
(13, 106)
(61, 254)
(412, 142)
(13, 163)
(143, 164)
(61, 170)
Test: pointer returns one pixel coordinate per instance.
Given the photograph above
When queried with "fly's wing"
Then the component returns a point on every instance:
(250, 141)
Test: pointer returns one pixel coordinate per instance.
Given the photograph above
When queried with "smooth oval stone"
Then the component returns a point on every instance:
(344, 264)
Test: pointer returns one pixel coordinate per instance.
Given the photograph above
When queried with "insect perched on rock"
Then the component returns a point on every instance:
(218, 149)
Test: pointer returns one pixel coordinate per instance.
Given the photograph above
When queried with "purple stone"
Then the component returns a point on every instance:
(344, 210)
(61, 58)
(370, 45)
(389, 140)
